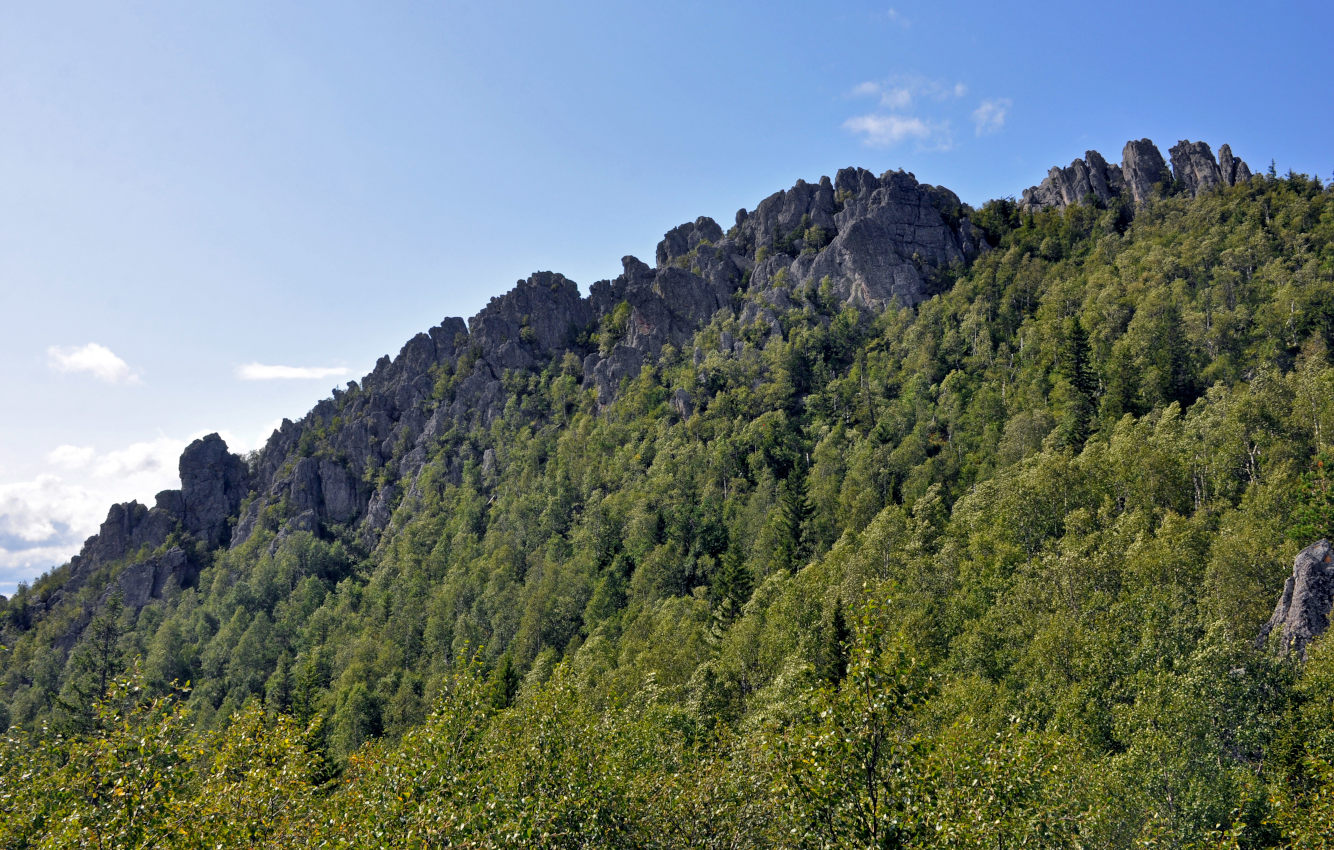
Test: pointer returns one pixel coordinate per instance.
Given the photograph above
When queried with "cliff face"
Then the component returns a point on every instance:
(1142, 173)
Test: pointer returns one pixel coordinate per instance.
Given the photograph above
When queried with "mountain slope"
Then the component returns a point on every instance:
(1061, 470)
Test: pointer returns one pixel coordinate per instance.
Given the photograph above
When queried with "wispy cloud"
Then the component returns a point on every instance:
(71, 457)
(901, 91)
(989, 117)
(897, 17)
(885, 131)
(909, 108)
(97, 360)
(263, 372)
(148, 461)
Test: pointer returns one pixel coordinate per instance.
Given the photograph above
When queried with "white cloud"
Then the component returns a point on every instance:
(95, 359)
(901, 90)
(896, 97)
(895, 16)
(263, 372)
(71, 457)
(44, 521)
(883, 131)
(144, 463)
(989, 117)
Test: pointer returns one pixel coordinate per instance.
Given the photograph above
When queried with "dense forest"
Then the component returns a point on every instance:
(986, 570)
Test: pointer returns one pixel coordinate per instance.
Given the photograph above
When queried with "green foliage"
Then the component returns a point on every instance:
(1313, 516)
(1080, 473)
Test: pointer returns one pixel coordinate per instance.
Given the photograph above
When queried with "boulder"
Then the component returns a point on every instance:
(1302, 613)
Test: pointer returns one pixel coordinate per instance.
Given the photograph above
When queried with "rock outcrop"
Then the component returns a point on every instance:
(213, 483)
(1233, 169)
(1145, 171)
(130, 541)
(1142, 175)
(1084, 178)
(1303, 610)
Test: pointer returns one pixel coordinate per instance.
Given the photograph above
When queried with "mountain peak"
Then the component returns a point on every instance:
(1142, 174)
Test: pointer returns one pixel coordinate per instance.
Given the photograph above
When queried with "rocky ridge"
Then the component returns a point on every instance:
(1142, 175)
(343, 469)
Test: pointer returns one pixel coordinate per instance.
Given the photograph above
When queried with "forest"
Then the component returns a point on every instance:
(984, 571)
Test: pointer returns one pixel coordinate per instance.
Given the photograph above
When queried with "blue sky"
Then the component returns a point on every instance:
(189, 195)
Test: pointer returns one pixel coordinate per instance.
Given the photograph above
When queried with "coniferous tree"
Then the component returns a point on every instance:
(1079, 384)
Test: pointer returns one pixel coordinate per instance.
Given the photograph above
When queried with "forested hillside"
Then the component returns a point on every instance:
(874, 520)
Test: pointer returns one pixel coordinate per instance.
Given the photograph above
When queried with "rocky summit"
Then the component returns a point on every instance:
(1142, 174)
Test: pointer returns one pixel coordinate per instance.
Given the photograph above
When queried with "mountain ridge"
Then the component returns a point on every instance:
(874, 240)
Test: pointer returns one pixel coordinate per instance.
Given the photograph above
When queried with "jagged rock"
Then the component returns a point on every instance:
(1144, 170)
(888, 242)
(1194, 167)
(1302, 613)
(1091, 176)
(606, 373)
(783, 217)
(1234, 170)
(1142, 173)
(682, 403)
(303, 489)
(682, 239)
(213, 483)
(525, 326)
(150, 579)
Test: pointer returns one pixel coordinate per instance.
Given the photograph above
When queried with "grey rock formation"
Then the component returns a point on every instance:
(1085, 178)
(213, 483)
(682, 403)
(153, 578)
(1234, 170)
(1302, 613)
(884, 236)
(681, 240)
(1144, 171)
(1194, 167)
(525, 326)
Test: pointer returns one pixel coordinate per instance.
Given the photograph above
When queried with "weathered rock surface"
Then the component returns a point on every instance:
(1302, 613)
(1234, 170)
(213, 483)
(1084, 178)
(1142, 174)
(681, 240)
(153, 578)
(1194, 167)
(1144, 171)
